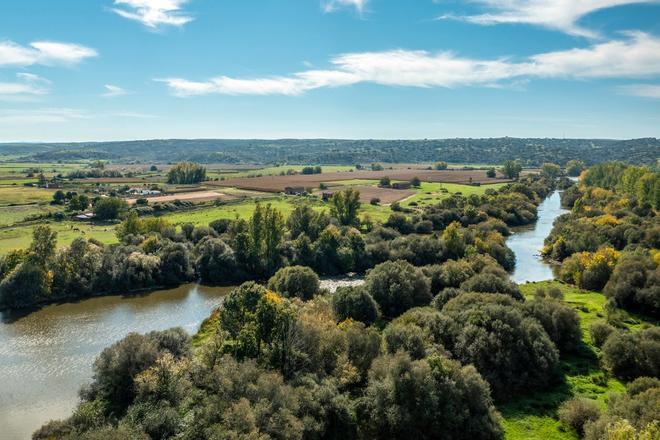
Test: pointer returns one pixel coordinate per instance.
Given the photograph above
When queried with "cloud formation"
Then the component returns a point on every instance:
(642, 90)
(561, 15)
(637, 55)
(153, 13)
(43, 52)
(112, 91)
(334, 5)
(27, 84)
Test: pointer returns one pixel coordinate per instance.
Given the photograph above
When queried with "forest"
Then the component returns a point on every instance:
(530, 151)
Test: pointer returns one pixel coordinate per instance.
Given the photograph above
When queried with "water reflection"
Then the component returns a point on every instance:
(47, 355)
(527, 242)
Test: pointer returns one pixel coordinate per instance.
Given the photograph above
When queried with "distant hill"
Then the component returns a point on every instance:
(531, 151)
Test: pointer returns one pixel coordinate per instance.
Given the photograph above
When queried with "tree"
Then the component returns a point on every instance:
(415, 182)
(59, 197)
(109, 208)
(79, 202)
(632, 355)
(453, 240)
(295, 281)
(510, 350)
(430, 398)
(511, 169)
(186, 173)
(25, 286)
(574, 167)
(354, 302)
(385, 182)
(397, 286)
(577, 412)
(345, 205)
(376, 167)
(304, 220)
(550, 170)
(42, 248)
(215, 261)
(491, 173)
(440, 166)
(153, 168)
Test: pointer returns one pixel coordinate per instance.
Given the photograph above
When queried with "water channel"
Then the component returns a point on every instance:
(47, 355)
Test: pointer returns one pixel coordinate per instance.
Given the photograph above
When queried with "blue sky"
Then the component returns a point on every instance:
(140, 69)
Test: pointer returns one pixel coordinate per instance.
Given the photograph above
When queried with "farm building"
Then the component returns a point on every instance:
(294, 190)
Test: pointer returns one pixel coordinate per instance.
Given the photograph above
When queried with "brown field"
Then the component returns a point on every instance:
(196, 196)
(278, 183)
(386, 195)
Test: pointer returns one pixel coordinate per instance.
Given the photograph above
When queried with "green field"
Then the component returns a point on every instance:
(534, 416)
(431, 193)
(272, 171)
(24, 195)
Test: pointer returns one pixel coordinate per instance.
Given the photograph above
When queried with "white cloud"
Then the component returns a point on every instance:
(27, 84)
(641, 90)
(43, 52)
(636, 56)
(42, 115)
(562, 15)
(153, 13)
(333, 5)
(112, 91)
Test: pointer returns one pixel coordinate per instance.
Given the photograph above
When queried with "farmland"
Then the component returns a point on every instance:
(279, 183)
(214, 199)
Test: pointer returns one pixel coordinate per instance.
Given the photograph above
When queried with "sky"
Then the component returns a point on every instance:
(86, 70)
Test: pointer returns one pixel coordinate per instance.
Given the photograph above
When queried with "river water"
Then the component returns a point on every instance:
(46, 356)
(527, 241)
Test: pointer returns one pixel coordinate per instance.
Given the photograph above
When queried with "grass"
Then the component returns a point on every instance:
(535, 416)
(274, 170)
(430, 193)
(10, 215)
(24, 195)
(19, 237)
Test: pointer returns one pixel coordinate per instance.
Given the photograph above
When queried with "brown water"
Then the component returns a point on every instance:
(47, 355)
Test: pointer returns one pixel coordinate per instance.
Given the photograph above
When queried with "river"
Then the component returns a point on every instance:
(46, 356)
(527, 241)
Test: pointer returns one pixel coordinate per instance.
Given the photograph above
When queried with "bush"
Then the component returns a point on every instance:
(599, 332)
(375, 201)
(295, 281)
(561, 322)
(430, 398)
(215, 261)
(109, 208)
(577, 412)
(632, 355)
(491, 283)
(511, 351)
(397, 286)
(355, 303)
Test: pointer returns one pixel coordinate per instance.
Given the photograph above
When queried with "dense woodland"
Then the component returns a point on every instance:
(435, 338)
(531, 152)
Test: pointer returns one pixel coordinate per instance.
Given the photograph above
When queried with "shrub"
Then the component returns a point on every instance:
(375, 201)
(599, 332)
(397, 286)
(430, 398)
(295, 281)
(511, 351)
(355, 303)
(632, 355)
(561, 322)
(577, 412)
(491, 283)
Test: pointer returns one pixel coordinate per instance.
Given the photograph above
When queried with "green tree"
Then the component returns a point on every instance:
(415, 182)
(186, 173)
(295, 281)
(574, 167)
(511, 169)
(550, 170)
(398, 286)
(42, 248)
(345, 205)
(109, 208)
(491, 173)
(385, 182)
(440, 165)
(453, 239)
(59, 197)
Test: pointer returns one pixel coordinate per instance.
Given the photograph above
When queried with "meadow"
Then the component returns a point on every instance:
(534, 417)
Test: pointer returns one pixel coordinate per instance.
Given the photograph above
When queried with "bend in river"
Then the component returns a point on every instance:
(47, 355)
